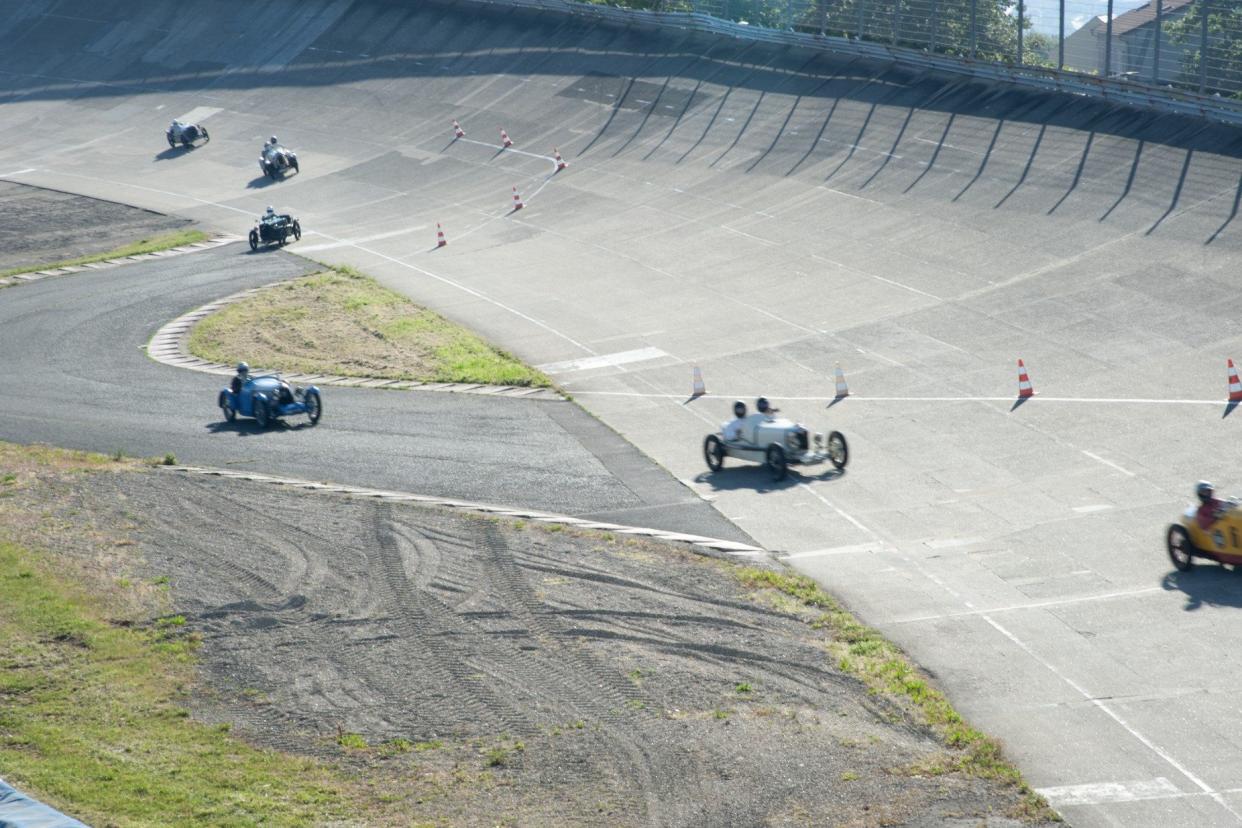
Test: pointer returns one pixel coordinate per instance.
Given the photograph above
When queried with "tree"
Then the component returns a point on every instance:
(1224, 46)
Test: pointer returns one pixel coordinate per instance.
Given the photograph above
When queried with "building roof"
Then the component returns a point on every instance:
(1146, 13)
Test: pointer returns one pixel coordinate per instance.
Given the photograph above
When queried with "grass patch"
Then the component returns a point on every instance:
(862, 652)
(91, 720)
(164, 241)
(342, 322)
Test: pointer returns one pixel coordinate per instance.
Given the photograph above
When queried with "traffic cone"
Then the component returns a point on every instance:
(458, 132)
(843, 390)
(1024, 382)
(561, 163)
(504, 139)
(517, 200)
(1235, 385)
(440, 240)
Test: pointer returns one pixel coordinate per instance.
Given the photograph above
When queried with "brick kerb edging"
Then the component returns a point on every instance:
(193, 247)
(714, 544)
(170, 345)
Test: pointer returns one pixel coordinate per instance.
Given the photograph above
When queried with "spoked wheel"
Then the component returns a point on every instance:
(314, 406)
(297, 230)
(776, 462)
(254, 240)
(172, 142)
(260, 413)
(838, 450)
(206, 137)
(226, 407)
(1181, 548)
(713, 452)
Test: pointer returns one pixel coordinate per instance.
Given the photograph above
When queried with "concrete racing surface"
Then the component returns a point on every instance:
(763, 214)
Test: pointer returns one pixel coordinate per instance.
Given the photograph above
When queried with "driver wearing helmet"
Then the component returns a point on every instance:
(270, 215)
(732, 430)
(176, 129)
(765, 408)
(239, 379)
(1209, 506)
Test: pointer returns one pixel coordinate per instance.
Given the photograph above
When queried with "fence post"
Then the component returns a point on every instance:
(1108, 42)
(896, 21)
(1020, 21)
(935, 21)
(861, 5)
(1155, 58)
(974, 18)
(823, 16)
(1203, 43)
(1061, 38)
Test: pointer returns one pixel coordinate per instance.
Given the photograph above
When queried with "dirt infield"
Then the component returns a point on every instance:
(484, 672)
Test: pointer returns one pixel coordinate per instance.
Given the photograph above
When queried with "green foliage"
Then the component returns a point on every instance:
(1224, 52)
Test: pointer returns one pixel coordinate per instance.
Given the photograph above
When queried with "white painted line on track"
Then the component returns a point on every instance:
(856, 397)
(603, 361)
(856, 548)
(1100, 793)
(315, 248)
(17, 172)
(1108, 463)
(1095, 507)
(1058, 602)
(951, 543)
(198, 113)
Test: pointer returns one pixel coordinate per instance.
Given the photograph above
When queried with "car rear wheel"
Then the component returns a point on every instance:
(1181, 548)
(297, 230)
(776, 462)
(838, 450)
(713, 452)
(314, 406)
(172, 143)
(260, 413)
(226, 407)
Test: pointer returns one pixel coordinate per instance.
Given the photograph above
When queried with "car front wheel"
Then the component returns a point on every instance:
(838, 450)
(260, 413)
(254, 240)
(1181, 548)
(314, 406)
(713, 452)
(776, 462)
(226, 407)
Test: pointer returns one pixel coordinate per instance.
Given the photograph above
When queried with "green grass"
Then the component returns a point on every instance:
(862, 652)
(176, 238)
(92, 720)
(344, 323)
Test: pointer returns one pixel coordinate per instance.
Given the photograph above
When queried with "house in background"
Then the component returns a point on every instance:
(1134, 44)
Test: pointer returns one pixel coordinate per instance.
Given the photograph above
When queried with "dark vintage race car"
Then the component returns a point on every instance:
(274, 229)
(186, 134)
(276, 161)
(267, 398)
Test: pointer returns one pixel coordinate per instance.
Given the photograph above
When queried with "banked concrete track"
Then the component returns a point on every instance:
(762, 214)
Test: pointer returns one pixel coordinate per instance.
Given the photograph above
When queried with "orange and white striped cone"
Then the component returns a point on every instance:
(561, 163)
(843, 390)
(1025, 389)
(698, 389)
(458, 132)
(517, 200)
(440, 240)
(1235, 384)
(504, 139)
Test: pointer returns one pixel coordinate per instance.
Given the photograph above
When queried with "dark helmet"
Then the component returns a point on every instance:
(739, 409)
(243, 368)
(272, 140)
(1204, 491)
(762, 405)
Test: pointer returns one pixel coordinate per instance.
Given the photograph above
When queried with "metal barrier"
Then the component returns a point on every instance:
(968, 37)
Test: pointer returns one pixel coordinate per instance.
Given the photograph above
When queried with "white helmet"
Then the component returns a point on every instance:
(270, 209)
(272, 140)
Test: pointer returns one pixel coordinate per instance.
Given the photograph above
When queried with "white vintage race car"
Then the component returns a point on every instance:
(776, 442)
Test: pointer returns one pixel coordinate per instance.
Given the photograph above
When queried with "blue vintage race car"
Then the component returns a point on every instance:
(268, 398)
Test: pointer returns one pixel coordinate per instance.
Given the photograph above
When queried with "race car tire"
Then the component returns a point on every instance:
(777, 463)
(226, 407)
(294, 164)
(260, 413)
(254, 240)
(314, 406)
(172, 142)
(838, 450)
(713, 453)
(1181, 548)
(206, 137)
(297, 230)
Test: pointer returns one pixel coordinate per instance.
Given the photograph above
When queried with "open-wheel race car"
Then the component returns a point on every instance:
(774, 441)
(276, 161)
(186, 134)
(1212, 530)
(267, 398)
(274, 228)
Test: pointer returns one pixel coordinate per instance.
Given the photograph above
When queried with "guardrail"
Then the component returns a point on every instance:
(1122, 92)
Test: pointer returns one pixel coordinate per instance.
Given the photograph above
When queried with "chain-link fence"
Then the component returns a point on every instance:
(1190, 45)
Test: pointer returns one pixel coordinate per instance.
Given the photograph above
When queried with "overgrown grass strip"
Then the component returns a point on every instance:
(344, 323)
(164, 241)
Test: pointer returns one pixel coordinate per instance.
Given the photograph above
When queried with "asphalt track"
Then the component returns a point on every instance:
(763, 213)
